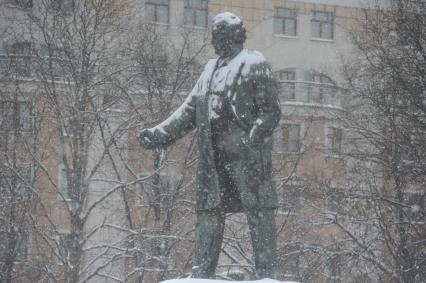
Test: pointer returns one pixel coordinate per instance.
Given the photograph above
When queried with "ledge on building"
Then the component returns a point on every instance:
(320, 39)
(279, 35)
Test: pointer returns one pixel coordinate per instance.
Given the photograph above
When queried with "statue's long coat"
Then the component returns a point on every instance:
(247, 81)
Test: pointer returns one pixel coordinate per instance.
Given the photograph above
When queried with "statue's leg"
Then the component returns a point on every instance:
(208, 236)
(261, 220)
(263, 237)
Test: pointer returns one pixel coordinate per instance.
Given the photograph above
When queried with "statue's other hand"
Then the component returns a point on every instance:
(147, 139)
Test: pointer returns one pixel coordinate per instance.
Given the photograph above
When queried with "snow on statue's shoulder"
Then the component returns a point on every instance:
(253, 57)
(249, 58)
(193, 280)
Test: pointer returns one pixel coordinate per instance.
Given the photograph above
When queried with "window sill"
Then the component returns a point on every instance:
(278, 35)
(195, 27)
(319, 39)
(158, 23)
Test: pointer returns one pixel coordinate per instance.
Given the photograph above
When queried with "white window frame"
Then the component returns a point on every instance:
(63, 6)
(334, 196)
(281, 22)
(328, 137)
(300, 139)
(17, 57)
(156, 4)
(20, 101)
(322, 23)
(287, 83)
(61, 174)
(193, 11)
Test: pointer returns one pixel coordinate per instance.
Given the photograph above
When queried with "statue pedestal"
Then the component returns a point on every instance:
(194, 280)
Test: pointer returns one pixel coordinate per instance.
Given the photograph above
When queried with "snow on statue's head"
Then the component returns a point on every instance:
(228, 33)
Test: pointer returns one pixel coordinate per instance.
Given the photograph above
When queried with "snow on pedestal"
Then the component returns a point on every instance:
(194, 280)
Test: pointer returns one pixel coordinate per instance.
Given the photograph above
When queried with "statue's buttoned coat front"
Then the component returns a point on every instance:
(247, 82)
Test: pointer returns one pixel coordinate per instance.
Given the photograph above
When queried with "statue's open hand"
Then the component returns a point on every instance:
(147, 139)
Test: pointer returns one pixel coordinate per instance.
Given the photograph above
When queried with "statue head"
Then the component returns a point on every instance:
(228, 34)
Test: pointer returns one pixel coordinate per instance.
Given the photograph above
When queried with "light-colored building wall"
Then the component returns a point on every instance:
(301, 52)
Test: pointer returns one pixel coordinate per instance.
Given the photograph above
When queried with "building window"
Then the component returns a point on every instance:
(15, 116)
(290, 137)
(277, 139)
(285, 21)
(291, 199)
(64, 183)
(334, 140)
(19, 3)
(56, 63)
(313, 87)
(333, 201)
(196, 12)
(287, 80)
(157, 11)
(319, 88)
(14, 182)
(63, 6)
(16, 60)
(322, 25)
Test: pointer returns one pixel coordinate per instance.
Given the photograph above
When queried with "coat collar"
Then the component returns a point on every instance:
(224, 61)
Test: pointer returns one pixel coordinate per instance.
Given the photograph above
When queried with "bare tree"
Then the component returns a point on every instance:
(77, 137)
(164, 68)
(15, 186)
(386, 152)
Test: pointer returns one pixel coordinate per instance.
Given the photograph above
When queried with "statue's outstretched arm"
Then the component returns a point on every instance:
(173, 128)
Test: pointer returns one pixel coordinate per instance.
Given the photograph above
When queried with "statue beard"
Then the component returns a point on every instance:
(226, 49)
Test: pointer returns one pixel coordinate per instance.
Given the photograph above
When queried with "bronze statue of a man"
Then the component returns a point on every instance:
(235, 108)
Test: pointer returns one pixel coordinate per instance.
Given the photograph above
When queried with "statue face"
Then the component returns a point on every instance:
(222, 41)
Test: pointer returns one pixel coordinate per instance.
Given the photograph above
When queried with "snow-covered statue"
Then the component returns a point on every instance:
(235, 108)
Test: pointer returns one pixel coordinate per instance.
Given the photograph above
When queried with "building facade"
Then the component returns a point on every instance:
(128, 213)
